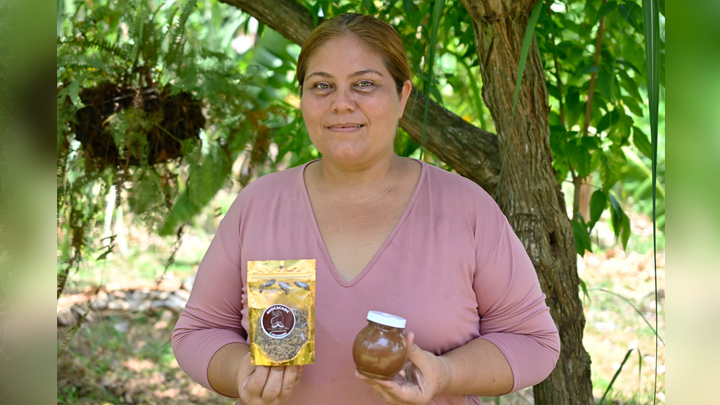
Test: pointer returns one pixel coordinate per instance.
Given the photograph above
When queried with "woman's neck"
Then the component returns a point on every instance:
(354, 182)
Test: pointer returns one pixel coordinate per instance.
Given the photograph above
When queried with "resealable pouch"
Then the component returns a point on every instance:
(281, 305)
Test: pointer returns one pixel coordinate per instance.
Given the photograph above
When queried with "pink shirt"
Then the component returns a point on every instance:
(452, 267)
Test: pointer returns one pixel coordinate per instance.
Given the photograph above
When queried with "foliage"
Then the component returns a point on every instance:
(593, 53)
(154, 105)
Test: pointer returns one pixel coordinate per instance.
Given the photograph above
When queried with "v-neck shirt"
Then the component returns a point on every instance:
(452, 267)
(324, 248)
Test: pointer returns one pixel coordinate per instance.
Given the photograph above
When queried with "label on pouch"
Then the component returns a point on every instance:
(278, 321)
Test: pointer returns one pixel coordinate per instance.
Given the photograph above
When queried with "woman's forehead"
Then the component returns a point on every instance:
(346, 54)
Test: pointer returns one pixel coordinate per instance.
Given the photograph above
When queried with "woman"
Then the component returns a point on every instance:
(388, 233)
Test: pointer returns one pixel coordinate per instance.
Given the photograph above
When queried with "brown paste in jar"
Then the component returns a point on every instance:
(380, 349)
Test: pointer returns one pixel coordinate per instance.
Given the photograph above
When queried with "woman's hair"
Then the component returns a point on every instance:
(377, 34)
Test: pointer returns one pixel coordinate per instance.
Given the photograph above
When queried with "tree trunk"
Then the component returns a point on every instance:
(528, 192)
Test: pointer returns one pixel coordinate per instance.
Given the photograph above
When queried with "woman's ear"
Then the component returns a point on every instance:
(404, 96)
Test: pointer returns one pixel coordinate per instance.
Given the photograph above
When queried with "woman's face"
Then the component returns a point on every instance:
(350, 103)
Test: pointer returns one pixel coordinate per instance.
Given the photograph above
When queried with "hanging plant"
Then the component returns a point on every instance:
(126, 110)
(146, 110)
(162, 120)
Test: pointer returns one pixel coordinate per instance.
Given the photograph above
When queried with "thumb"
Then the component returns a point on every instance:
(414, 351)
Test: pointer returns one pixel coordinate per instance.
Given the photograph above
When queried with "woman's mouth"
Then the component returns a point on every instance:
(345, 127)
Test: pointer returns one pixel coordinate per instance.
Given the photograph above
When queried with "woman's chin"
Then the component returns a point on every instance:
(346, 156)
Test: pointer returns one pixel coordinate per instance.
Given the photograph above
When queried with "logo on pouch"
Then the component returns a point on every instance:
(278, 321)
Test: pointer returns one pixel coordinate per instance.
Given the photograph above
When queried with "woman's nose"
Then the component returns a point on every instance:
(343, 101)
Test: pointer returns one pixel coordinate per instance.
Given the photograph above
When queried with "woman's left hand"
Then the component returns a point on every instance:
(423, 377)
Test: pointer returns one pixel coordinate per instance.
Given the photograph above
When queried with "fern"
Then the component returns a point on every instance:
(177, 42)
(207, 175)
(73, 92)
(132, 51)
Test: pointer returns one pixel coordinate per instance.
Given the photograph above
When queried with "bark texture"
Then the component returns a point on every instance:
(528, 192)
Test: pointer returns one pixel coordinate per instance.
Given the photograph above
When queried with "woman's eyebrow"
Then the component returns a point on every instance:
(364, 72)
(351, 75)
(321, 74)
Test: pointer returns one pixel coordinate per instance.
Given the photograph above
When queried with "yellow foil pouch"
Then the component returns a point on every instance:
(281, 303)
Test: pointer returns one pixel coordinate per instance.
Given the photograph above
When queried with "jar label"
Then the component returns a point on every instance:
(278, 321)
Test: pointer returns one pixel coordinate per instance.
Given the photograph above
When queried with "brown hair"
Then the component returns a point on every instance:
(377, 34)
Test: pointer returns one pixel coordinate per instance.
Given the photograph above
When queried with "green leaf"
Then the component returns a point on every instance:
(588, 70)
(605, 83)
(206, 177)
(598, 201)
(553, 91)
(584, 288)
(641, 142)
(476, 94)
(409, 7)
(527, 41)
(632, 13)
(616, 213)
(632, 104)
(620, 221)
(608, 171)
(590, 142)
(435, 17)
(629, 84)
(606, 9)
(615, 376)
(629, 65)
(573, 107)
(558, 138)
(651, 25)
(579, 157)
(73, 91)
(369, 6)
(610, 118)
(624, 126)
(625, 233)
(582, 237)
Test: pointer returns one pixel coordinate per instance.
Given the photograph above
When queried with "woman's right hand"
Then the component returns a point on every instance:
(265, 385)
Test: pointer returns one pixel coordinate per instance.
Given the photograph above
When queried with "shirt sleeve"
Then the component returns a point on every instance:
(513, 313)
(212, 317)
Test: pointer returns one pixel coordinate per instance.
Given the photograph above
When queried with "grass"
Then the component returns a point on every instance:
(126, 359)
(613, 326)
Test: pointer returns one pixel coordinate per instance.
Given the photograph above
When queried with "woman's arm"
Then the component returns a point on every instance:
(224, 368)
(513, 312)
(477, 368)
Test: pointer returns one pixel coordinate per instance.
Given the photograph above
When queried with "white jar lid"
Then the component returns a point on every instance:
(386, 319)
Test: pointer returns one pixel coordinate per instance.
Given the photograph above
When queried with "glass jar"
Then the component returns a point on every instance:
(380, 349)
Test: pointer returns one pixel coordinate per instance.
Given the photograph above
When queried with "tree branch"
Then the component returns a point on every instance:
(471, 151)
(290, 19)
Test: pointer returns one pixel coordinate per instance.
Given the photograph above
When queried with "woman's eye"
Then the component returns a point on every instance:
(322, 86)
(365, 84)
